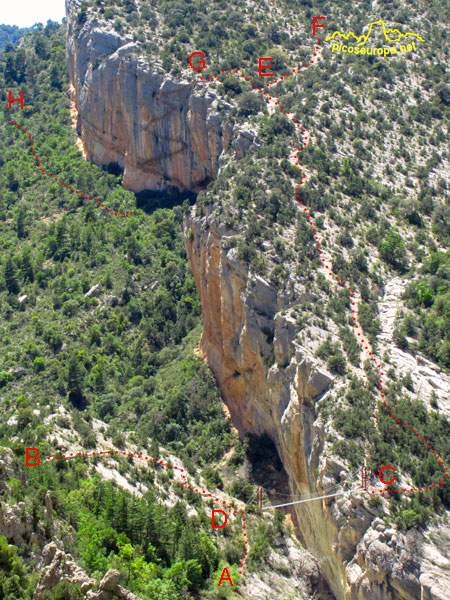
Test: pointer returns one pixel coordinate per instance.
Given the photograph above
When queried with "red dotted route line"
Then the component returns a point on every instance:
(260, 88)
(36, 158)
(428, 446)
(203, 493)
(328, 267)
(310, 222)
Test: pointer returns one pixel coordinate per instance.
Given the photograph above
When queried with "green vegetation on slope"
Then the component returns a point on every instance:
(123, 353)
(430, 299)
(384, 442)
(10, 34)
(162, 553)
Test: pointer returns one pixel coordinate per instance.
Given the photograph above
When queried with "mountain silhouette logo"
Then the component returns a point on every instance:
(362, 39)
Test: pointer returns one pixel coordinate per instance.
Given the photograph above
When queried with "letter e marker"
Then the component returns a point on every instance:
(265, 67)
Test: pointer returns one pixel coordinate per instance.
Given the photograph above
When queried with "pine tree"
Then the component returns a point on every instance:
(26, 265)
(62, 241)
(75, 382)
(40, 48)
(11, 282)
(154, 448)
(10, 69)
(20, 222)
(21, 60)
(100, 377)
(11, 180)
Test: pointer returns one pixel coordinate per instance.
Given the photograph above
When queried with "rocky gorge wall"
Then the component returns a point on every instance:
(158, 129)
(163, 132)
(271, 384)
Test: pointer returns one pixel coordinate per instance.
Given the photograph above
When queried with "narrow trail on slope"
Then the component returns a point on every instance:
(354, 296)
(181, 476)
(326, 268)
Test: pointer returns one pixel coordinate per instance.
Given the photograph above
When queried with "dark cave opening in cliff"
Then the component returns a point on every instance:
(266, 468)
(262, 450)
(150, 200)
(114, 169)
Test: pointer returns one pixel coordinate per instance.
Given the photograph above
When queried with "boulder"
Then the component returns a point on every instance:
(18, 372)
(94, 292)
(110, 580)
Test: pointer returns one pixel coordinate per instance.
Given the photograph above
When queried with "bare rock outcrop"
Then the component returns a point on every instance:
(157, 128)
(59, 566)
(429, 380)
(12, 523)
(109, 589)
(289, 569)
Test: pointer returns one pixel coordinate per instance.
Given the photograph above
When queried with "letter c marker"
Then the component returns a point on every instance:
(382, 480)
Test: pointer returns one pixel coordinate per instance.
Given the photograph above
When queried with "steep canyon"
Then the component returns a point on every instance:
(164, 132)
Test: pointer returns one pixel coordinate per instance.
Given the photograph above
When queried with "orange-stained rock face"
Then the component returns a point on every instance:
(164, 132)
(278, 398)
(272, 387)
(158, 129)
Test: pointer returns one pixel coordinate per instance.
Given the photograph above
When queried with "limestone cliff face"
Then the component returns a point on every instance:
(156, 128)
(240, 318)
(270, 384)
(162, 131)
